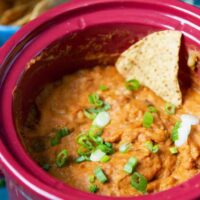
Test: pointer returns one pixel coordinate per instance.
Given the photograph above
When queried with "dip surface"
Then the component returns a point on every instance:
(61, 104)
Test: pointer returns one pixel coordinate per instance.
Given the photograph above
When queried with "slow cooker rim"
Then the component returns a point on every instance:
(21, 34)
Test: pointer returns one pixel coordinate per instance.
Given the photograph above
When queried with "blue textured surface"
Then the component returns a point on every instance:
(193, 2)
(3, 194)
(6, 32)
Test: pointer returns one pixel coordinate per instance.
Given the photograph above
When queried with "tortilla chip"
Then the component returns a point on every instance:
(3, 7)
(153, 61)
(15, 13)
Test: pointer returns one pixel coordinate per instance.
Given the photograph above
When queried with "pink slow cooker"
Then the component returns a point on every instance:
(60, 41)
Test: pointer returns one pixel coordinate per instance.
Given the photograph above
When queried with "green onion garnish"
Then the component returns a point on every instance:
(92, 179)
(152, 109)
(63, 132)
(139, 182)
(59, 135)
(103, 88)
(95, 111)
(2, 183)
(97, 139)
(108, 149)
(84, 141)
(61, 158)
(92, 146)
(173, 150)
(108, 144)
(95, 100)
(46, 167)
(124, 148)
(174, 135)
(93, 188)
(148, 120)
(82, 151)
(100, 175)
(132, 84)
(170, 109)
(89, 114)
(105, 159)
(54, 141)
(130, 165)
(82, 159)
(102, 119)
(95, 131)
(106, 107)
(153, 148)
(97, 155)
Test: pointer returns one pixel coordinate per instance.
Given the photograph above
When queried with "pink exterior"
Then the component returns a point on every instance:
(25, 179)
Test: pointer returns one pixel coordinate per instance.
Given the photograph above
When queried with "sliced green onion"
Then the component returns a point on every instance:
(139, 182)
(93, 188)
(106, 148)
(82, 159)
(152, 109)
(59, 135)
(170, 109)
(82, 151)
(149, 145)
(89, 114)
(153, 148)
(133, 84)
(61, 158)
(95, 111)
(103, 88)
(105, 159)
(63, 132)
(173, 150)
(95, 100)
(95, 131)
(148, 120)
(46, 167)
(84, 141)
(130, 165)
(102, 119)
(92, 179)
(124, 148)
(174, 135)
(97, 155)
(98, 140)
(54, 141)
(108, 144)
(100, 175)
(92, 98)
(2, 183)
(106, 107)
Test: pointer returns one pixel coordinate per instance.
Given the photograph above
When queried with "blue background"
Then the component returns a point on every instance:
(3, 194)
(6, 32)
(12, 30)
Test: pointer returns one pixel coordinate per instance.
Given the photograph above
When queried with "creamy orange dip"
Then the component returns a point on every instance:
(61, 104)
